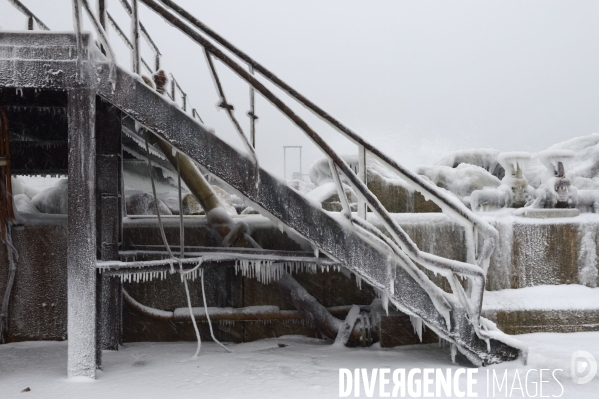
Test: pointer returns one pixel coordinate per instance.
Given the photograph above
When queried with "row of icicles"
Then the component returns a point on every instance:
(263, 270)
(267, 270)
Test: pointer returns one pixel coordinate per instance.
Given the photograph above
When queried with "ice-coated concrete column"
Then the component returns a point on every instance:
(81, 246)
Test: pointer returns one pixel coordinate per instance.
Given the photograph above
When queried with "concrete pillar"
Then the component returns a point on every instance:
(81, 246)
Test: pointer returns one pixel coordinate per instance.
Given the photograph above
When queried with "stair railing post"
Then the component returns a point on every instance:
(102, 13)
(102, 19)
(135, 38)
(362, 206)
(252, 114)
(77, 16)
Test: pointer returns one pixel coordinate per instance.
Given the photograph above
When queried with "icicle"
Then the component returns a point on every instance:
(417, 325)
(385, 302)
(454, 352)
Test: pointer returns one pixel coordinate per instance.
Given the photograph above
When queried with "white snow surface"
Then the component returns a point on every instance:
(305, 368)
(543, 297)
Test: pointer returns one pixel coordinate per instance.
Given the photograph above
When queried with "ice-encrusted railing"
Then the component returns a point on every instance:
(104, 19)
(400, 246)
(32, 19)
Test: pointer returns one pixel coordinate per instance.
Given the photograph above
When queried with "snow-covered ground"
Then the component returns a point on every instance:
(304, 368)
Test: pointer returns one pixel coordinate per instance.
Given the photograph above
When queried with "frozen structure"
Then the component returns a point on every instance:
(102, 120)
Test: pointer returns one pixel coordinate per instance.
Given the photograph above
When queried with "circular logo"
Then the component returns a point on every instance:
(583, 367)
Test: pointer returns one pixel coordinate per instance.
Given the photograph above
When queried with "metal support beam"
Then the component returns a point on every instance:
(362, 175)
(135, 54)
(81, 245)
(109, 224)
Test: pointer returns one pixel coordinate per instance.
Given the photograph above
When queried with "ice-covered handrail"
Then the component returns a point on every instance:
(227, 107)
(125, 39)
(435, 263)
(144, 33)
(449, 205)
(25, 11)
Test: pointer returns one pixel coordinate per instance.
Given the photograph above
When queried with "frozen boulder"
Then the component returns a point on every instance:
(249, 211)
(462, 180)
(485, 158)
(302, 186)
(328, 197)
(23, 204)
(225, 199)
(143, 204)
(19, 187)
(191, 206)
(53, 199)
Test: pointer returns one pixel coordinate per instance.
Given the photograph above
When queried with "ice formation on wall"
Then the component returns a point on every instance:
(587, 259)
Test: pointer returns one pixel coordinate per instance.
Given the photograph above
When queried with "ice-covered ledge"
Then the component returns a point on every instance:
(547, 308)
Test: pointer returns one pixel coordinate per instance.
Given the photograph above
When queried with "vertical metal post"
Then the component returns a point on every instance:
(284, 162)
(301, 173)
(81, 244)
(252, 113)
(102, 19)
(109, 224)
(77, 27)
(173, 86)
(30, 23)
(136, 60)
(362, 206)
(102, 13)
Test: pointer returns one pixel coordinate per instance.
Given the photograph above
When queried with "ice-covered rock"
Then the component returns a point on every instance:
(461, 180)
(142, 203)
(328, 197)
(23, 204)
(19, 187)
(249, 211)
(302, 186)
(53, 199)
(191, 206)
(225, 199)
(485, 158)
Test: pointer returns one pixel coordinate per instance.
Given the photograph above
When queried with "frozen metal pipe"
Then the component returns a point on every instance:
(254, 313)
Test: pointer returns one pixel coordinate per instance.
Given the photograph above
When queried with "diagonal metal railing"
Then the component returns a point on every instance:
(480, 236)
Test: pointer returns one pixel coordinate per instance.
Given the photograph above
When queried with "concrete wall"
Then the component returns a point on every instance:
(531, 252)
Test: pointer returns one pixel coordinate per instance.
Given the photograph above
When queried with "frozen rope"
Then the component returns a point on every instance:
(208, 316)
(160, 226)
(193, 319)
(182, 253)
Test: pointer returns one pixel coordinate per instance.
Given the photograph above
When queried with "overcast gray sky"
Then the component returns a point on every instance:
(417, 78)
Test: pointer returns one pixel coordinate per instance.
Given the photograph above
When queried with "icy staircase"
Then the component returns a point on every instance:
(49, 61)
